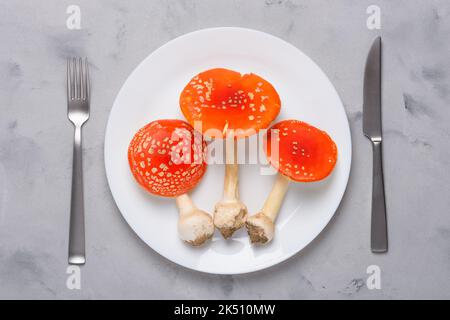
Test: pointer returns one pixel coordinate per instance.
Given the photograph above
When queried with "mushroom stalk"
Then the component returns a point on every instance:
(261, 226)
(275, 199)
(230, 213)
(185, 205)
(194, 225)
(231, 190)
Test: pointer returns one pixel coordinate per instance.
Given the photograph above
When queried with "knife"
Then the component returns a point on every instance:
(372, 130)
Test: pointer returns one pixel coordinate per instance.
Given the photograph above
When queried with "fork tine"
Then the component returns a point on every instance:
(69, 96)
(77, 78)
(82, 80)
(80, 74)
(78, 81)
(72, 79)
(87, 79)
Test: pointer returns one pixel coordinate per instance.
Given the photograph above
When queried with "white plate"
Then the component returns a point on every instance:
(152, 91)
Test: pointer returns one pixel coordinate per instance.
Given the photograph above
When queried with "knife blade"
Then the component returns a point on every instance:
(372, 130)
(372, 93)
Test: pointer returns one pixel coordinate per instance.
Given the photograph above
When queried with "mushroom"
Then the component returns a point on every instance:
(236, 106)
(167, 160)
(300, 153)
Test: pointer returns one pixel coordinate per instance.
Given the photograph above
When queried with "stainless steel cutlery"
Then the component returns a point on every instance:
(78, 87)
(372, 130)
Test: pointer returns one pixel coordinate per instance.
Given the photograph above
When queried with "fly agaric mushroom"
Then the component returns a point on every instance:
(302, 153)
(167, 160)
(236, 106)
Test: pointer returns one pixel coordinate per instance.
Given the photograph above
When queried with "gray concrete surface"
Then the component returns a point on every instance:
(36, 149)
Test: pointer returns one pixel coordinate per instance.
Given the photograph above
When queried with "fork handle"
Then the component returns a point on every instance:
(77, 253)
(379, 241)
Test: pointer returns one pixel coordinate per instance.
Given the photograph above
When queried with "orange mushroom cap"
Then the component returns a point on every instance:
(166, 159)
(223, 99)
(304, 153)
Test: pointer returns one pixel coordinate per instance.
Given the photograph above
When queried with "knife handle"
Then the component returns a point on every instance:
(379, 241)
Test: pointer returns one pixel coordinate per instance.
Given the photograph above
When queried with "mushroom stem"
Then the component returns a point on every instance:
(230, 213)
(260, 227)
(231, 190)
(185, 205)
(194, 225)
(276, 196)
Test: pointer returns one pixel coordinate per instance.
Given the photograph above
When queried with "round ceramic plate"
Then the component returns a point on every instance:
(152, 91)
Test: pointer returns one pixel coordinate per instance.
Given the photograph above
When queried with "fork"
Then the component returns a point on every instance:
(78, 87)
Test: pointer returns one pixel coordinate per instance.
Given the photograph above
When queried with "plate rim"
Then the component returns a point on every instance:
(269, 263)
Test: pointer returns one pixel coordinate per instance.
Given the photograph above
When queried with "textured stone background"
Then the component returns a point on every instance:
(36, 149)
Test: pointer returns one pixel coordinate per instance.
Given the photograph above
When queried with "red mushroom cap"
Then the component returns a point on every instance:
(305, 153)
(167, 158)
(224, 99)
